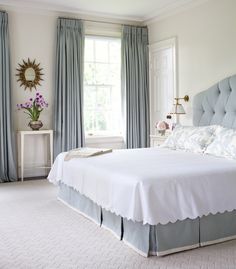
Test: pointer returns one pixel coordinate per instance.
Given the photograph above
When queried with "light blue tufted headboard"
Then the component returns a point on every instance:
(217, 105)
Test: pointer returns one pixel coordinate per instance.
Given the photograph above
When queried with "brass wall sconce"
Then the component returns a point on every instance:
(178, 108)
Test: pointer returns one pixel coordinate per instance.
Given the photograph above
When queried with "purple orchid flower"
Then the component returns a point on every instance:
(34, 106)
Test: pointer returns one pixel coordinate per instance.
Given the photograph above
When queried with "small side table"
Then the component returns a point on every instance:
(158, 139)
(22, 146)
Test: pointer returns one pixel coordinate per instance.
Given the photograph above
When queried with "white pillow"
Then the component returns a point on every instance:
(195, 139)
(224, 144)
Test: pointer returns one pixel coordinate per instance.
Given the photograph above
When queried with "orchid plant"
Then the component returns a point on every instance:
(34, 107)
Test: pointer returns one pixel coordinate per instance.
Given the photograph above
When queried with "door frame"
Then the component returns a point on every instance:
(160, 45)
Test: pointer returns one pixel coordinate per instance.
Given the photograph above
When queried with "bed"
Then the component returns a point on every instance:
(192, 203)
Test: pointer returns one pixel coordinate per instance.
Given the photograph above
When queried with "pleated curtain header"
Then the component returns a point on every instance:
(3, 18)
(136, 32)
(70, 24)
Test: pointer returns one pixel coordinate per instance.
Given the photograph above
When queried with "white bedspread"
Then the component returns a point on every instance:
(153, 185)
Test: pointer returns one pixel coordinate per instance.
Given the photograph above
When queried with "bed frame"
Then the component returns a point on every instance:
(216, 105)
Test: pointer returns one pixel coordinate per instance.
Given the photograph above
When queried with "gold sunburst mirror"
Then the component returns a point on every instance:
(29, 74)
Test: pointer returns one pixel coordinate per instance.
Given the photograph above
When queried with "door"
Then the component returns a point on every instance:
(162, 79)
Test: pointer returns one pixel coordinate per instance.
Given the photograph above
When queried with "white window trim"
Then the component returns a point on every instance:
(102, 29)
(104, 138)
(96, 141)
(108, 31)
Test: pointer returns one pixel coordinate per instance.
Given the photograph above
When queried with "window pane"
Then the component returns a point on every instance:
(90, 97)
(102, 90)
(114, 74)
(89, 73)
(102, 74)
(104, 97)
(113, 48)
(101, 121)
(101, 50)
(89, 52)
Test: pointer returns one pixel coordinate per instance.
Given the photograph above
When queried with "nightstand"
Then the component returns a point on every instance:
(158, 139)
(24, 134)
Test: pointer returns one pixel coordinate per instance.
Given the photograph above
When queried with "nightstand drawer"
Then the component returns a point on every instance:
(158, 140)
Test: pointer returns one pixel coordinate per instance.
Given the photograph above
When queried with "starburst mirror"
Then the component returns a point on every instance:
(29, 74)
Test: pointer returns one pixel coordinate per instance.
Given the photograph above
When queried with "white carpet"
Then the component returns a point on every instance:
(37, 231)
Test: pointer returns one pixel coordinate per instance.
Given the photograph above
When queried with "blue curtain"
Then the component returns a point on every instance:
(68, 106)
(7, 141)
(135, 85)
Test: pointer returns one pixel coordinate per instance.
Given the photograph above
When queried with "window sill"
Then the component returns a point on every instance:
(105, 140)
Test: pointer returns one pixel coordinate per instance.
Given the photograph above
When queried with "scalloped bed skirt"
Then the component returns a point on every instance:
(157, 239)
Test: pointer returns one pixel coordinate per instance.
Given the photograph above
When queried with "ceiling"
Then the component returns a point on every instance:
(136, 10)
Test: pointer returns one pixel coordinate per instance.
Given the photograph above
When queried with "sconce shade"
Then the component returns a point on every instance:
(177, 109)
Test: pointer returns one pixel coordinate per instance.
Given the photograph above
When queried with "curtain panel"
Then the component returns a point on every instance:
(135, 85)
(7, 140)
(68, 106)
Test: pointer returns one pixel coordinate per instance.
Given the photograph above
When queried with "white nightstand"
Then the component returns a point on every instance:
(22, 135)
(158, 139)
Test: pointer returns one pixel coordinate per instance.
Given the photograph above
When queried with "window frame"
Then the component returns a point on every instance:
(90, 135)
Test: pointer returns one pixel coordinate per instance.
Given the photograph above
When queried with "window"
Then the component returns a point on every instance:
(102, 86)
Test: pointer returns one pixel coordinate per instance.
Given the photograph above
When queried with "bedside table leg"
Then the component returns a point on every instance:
(51, 149)
(22, 157)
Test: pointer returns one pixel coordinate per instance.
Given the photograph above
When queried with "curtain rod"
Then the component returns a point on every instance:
(67, 18)
(105, 22)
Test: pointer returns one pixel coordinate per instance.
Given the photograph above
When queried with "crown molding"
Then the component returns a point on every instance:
(48, 9)
(42, 8)
(172, 9)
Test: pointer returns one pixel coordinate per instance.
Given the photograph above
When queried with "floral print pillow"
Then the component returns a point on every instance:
(224, 144)
(195, 139)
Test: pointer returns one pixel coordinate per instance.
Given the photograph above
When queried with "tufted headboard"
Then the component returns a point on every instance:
(217, 105)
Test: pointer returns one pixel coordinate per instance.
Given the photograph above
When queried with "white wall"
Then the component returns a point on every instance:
(33, 35)
(206, 37)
